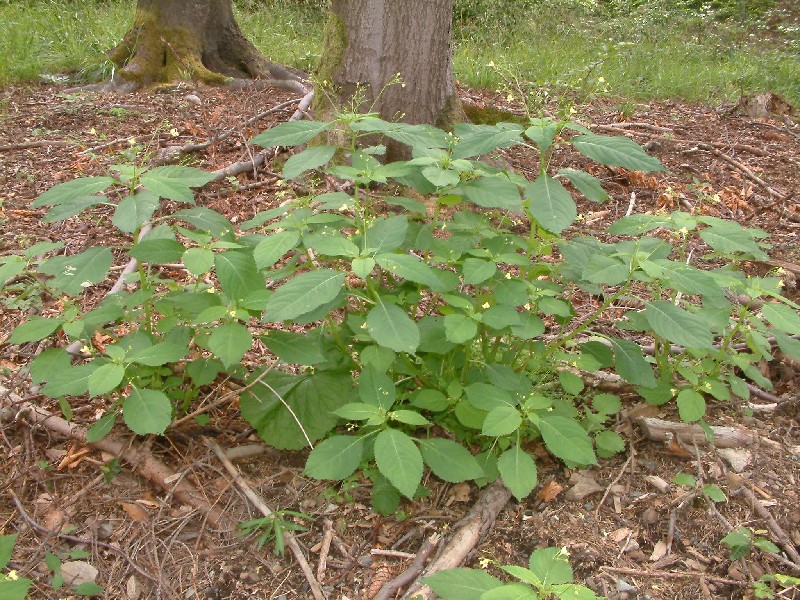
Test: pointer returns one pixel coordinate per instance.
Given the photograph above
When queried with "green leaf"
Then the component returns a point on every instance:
(70, 191)
(461, 584)
(399, 460)
(359, 411)
(62, 212)
(73, 274)
(551, 566)
(609, 443)
(159, 354)
(311, 397)
(408, 267)
(34, 329)
(362, 267)
(605, 270)
(518, 470)
(684, 479)
(782, 317)
(503, 420)
(88, 588)
(238, 274)
(198, 261)
(376, 388)
(392, 328)
(732, 239)
(308, 159)
(678, 325)
(102, 427)
(134, 211)
(409, 417)
(459, 328)
(295, 348)
(272, 248)
(543, 132)
(207, 220)
(587, 185)
(511, 591)
(175, 182)
(441, 178)
(336, 458)
(475, 140)
(571, 383)
(229, 342)
(495, 191)
(158, 251)
(385, 234)
(631, 364)
(567, 440)
(303, 294)
(616, 150)
(106, 378)
(551, 204)
(6, 548)
(714, 493)
(485, 396)
(691, 405)
(477, 271)
(449, 460)
(71, 381)
(147, 411)
(292, 133)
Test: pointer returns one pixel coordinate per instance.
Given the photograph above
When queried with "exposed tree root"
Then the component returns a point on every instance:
(142, 461)
(468, 532)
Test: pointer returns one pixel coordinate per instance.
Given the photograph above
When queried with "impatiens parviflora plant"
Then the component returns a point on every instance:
(548, 575)
(422, 328)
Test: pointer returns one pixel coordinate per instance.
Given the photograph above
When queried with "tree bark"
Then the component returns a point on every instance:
(190, 39)
(393, 57)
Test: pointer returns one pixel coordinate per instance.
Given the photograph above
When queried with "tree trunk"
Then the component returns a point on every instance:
(190, 39)
(371, 43)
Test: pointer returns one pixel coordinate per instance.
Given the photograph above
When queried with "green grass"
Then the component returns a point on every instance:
(572, 47)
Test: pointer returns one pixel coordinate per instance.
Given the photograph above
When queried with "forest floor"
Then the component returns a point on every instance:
(643, 541)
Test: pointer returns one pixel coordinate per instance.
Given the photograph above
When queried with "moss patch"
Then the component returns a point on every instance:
(484, 115)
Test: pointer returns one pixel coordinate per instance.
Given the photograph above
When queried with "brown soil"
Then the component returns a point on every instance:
(189, 559)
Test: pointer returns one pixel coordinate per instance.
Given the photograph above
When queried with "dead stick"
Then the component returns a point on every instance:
(390, 588)
(265, 510)
(35, 144)
(468, 533)
(327, 526)
(673, 575)
(784, 540)
(742, 169)
(143, 462)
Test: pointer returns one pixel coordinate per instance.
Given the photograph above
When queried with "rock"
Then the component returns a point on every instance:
(737, 458)
(650, 516)
(76, 572)
(583, 486)
(132, 588)
(658, 483)
(194, 99)
(624, 586)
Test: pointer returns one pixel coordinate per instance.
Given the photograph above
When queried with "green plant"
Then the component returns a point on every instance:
(548, 575)
(54, 563)
(711, 491)
(742, 540)
(448, 340)
(271, 528)
(12, 586)
(766, 586)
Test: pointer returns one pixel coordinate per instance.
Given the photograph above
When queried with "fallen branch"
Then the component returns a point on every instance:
(660, 430)
(783, 539)
(35, 144)
(144, 463)
(743, 170)
(469, 531)
(265, 510)
(674, 575)
(260, 158)
(390, 589)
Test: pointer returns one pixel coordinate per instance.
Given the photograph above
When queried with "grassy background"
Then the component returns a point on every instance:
(645, 49)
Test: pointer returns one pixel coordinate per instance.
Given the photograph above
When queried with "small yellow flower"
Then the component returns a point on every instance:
(132, 141)
(601, 79)
(174, 132)
(93, 131)
(486, 305)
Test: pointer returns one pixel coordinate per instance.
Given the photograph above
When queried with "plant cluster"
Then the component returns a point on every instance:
(434, 330)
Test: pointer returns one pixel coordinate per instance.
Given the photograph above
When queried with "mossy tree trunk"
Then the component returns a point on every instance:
(371, 43)
(190, 39)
